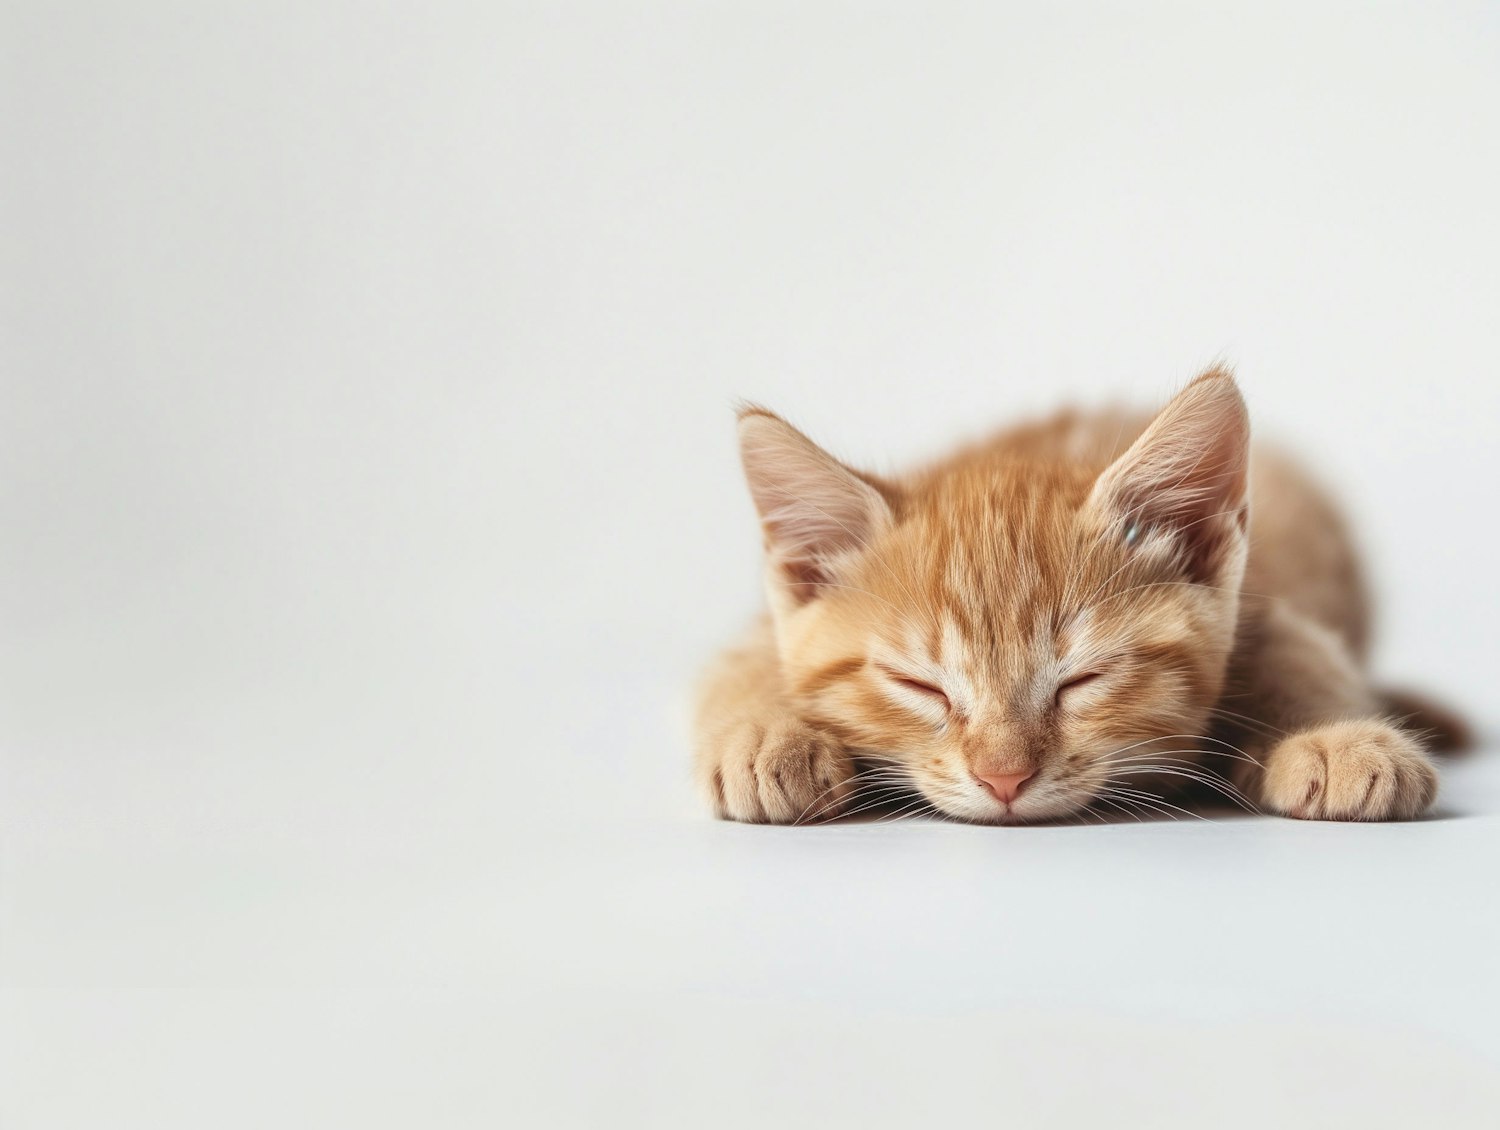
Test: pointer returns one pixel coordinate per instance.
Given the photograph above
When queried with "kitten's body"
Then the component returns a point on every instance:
(1077, 612)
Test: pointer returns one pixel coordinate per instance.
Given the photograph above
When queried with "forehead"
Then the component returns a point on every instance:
(1015, 551)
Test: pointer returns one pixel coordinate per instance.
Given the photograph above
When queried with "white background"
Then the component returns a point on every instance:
(368, 499)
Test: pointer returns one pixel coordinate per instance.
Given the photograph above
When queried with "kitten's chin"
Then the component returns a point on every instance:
(1040, 809)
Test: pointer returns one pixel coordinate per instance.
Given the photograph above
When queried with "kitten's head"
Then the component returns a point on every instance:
(1025, 626)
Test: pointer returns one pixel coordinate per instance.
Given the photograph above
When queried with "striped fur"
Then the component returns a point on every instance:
(1090, 600)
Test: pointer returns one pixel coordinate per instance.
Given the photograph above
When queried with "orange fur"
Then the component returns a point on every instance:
(1090, 605)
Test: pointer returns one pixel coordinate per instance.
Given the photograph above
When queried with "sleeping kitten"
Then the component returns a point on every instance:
(1089, 611)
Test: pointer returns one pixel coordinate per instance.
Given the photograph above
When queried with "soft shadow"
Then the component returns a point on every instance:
(1188, 808)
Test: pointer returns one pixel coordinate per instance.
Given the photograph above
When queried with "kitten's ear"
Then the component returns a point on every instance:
(1186, 476)
(814, 510)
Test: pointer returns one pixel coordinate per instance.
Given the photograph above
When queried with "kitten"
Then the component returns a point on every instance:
(1083, 612)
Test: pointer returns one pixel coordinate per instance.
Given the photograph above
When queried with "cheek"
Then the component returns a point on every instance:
(860, 714)
(941, 773)
(1146, 702)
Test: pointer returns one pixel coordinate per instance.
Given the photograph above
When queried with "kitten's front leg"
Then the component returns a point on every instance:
(757, 761)
(1361, 770)
(775, 770)
(1339, 760)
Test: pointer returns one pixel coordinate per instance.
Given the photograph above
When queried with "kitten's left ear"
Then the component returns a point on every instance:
(1186, 475)
(815, 511)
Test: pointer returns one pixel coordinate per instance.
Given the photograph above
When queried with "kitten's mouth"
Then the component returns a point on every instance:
(1041, 803)
(1033, 814)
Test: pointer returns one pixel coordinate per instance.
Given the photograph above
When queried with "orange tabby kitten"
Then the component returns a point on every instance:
(1086, 611)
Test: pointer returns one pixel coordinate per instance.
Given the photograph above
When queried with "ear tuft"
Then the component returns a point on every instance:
(814, 510)
(1187, 473)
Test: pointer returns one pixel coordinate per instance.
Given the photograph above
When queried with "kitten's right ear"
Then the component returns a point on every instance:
(815, 511)
(1187, 475)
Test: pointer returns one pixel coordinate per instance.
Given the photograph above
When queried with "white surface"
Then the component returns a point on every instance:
(368, 500)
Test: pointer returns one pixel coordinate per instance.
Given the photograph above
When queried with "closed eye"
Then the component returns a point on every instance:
(1077, 682)
(923, 688)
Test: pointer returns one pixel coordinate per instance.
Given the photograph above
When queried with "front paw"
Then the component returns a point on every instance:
(777, 771)
(1365, 770)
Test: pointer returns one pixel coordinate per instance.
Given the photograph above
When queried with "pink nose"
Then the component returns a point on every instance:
(1005, 786)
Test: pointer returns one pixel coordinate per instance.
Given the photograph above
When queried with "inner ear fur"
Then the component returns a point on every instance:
(1187, 474)
(815, 511)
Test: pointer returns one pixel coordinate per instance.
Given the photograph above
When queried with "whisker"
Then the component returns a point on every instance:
(1118, 807)
(1222, 787)
(1235, 752)
(1245, 719)
(1152, 798)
